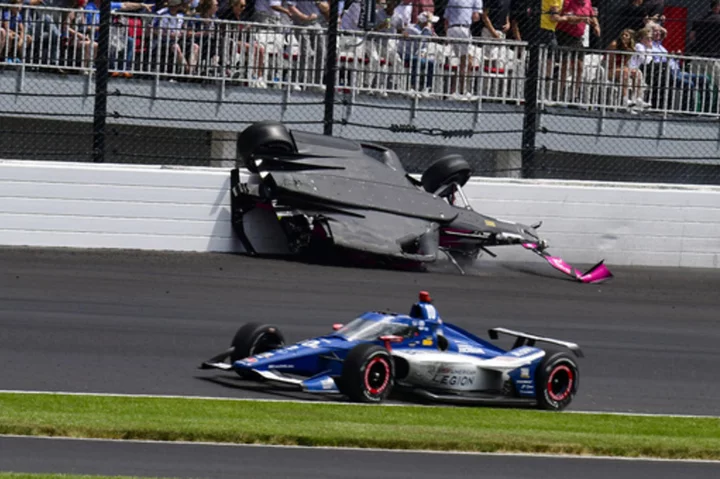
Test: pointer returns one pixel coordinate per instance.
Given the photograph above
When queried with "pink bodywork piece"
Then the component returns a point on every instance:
(596, 274)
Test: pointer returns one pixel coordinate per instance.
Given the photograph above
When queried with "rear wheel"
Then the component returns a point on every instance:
(367, 374)
(263, 137)
(557, 379)
(255, 338)
(446, 170)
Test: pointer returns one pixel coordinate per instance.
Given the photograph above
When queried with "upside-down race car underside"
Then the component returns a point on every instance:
(330, 193)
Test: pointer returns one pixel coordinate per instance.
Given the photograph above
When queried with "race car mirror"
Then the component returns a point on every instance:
(337, 326)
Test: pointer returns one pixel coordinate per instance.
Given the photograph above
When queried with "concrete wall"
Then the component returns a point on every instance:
(187, 209)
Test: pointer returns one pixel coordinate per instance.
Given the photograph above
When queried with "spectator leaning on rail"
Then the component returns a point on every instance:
(459, 15)
(579, 14)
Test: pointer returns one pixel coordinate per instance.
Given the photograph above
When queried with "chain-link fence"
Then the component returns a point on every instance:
(623, 90)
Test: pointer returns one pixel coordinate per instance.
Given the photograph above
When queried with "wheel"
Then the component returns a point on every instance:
(255, 338)
(557, 379)
(368, 374)
(263, 137)
(444, 171)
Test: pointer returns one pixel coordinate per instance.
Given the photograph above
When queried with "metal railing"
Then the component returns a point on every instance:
(294, 58)
(632, 81)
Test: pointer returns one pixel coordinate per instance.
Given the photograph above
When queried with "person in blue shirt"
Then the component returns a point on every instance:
(13, 38)
(120, 38)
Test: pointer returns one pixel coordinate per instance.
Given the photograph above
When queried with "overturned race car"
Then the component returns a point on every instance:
(417, 353)
(327, 194)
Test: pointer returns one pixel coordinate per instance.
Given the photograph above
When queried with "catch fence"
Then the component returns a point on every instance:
(73, 82)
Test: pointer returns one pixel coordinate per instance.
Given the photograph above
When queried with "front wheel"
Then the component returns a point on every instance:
(557, 381)
(255, 338)
(368, 374)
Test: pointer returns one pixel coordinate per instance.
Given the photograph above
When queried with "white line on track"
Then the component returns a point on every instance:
(336, 403)
(365, 449)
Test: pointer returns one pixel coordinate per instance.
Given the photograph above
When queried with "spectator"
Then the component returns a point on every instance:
(205, 32)
(13, 25)
(459, 15)
(689, 83)
(242, 42)
(79, 34)
(705, 41)
(550, 16)
(271, 11)
(415, 52)
(579, 14)
(307, 14)
(496, 19)
(169, 31)
(422, 6)
(624, 68)
(119, 42)
(520, 19)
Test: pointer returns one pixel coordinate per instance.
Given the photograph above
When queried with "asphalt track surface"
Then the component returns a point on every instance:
(32, 455)
(141, 323)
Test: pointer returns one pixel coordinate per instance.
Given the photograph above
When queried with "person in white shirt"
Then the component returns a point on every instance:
(459, 15)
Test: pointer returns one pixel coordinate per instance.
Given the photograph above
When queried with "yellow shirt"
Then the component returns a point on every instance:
(545, 22)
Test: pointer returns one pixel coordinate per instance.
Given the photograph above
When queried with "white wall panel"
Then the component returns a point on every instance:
(188, 209)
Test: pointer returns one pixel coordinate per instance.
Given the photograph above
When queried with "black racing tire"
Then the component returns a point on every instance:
(557, 379)
(368, 374)
(255, 338)
(444, 171)
(263, 137)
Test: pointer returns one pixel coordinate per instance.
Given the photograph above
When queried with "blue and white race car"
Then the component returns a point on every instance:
(417, 353)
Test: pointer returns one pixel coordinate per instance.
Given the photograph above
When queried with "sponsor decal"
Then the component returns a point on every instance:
(327, 383)
(470, 349)
(524, 351)
(524, 372)
(264, 355)
(313, 344)
(454, 379)
(523, 381)
(427, 342)
(281, 366)
(250, 360)
(490, 223)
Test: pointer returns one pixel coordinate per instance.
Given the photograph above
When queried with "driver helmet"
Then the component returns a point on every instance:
(424, 309)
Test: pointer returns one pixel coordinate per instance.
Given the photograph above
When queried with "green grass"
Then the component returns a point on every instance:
(397, 427)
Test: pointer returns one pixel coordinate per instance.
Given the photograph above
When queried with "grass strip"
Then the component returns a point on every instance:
(397, 427)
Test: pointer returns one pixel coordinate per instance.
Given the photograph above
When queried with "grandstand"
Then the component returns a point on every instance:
(182, 78)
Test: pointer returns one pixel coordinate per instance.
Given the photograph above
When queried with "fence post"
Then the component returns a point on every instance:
(101, 81)
(331, 67)
(531, 90)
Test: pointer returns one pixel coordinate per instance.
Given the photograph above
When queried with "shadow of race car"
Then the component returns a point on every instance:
(333, 194)
(418, 354)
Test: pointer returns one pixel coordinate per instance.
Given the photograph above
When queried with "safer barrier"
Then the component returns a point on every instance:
(50, 204)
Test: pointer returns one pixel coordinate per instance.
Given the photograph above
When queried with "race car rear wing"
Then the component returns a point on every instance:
(530, 340)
